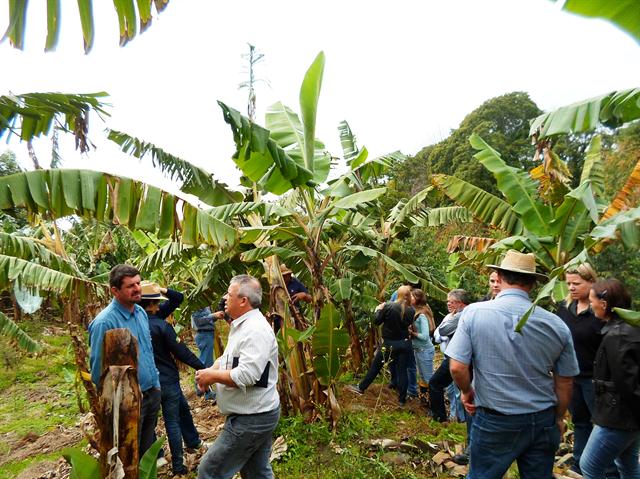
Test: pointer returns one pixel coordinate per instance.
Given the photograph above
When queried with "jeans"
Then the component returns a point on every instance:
(497, 440)
(204, 342)
(424, 361)
(243, 445)
(412, 380)
(607, 444)
(148, 419)
(396, 351)
(440, 380)
(178, 423)
(580, 408)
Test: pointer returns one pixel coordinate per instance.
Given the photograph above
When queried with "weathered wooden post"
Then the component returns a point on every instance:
(119, 405)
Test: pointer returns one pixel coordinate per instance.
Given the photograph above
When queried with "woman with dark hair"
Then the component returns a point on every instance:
(616, 376)
(585, 328)
(395, 318)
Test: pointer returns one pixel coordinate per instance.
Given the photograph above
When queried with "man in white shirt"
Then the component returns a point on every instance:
(245, 375)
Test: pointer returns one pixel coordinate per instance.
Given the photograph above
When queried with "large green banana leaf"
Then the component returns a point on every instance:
(442, 216)
(262, 252)
(405, 209)
(487, 208)
(10, 330)
(33, 114)
(622, 13)
(431, 286)
(195, 180)
(309, 97)
(517, 186)
(330, 341)
(593, 168)
(574, 217)
(93, 194)
(287, 131)
(30, 249)
(260, 158)
(34, 275)
(624, 226)
(612, 109)
(128, 19)
(350, 149)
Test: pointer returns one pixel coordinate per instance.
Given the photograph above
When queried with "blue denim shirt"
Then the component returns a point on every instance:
(512, 372)
(117, 316)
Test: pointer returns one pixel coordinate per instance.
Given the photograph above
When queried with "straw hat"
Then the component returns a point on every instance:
(284, 270)
(151, 290)
(524, 263)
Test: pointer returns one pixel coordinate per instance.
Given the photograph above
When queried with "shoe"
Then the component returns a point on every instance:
(461, 459)
(161, 462)
(202, 446)
(182, 472)
(354, 388)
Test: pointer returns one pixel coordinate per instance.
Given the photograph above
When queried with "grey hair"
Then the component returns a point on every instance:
(249, 287)
(461, 295)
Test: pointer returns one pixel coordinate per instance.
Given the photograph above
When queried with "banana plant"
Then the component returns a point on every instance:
(128, 19)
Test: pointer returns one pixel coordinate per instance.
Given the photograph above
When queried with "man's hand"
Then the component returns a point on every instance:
(301, 296)
(218, 314)
(562, 426)
(206, 377)
(467, 401)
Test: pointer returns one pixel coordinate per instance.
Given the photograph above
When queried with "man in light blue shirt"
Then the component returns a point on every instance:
(522, 382)
(124, 312)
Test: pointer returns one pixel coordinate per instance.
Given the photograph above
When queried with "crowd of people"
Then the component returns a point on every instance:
(512, 388)
(244, 376)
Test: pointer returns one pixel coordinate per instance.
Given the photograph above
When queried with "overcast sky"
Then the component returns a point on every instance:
(402, 73)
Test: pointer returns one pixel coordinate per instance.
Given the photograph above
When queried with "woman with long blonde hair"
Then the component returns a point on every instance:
(585, 331)
(395, 318)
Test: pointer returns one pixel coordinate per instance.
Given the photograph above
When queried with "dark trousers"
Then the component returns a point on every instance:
(395, 353)
(179, 424)
(438, 382)
(148, 419)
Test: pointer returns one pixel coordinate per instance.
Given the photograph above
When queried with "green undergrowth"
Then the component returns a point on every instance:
(37, 392)
(314, 451)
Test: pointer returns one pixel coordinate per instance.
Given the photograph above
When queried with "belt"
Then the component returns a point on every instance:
(493, 412)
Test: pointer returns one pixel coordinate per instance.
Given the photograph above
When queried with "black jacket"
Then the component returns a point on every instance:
(165, 342)
(616, 375)
(395, 324)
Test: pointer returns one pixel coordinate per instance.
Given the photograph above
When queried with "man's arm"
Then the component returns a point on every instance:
(180, 350)
(563, 386)
(175, 299)
(461, 374)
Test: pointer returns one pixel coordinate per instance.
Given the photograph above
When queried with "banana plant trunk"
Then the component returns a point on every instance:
(120, 400)
(354, 339)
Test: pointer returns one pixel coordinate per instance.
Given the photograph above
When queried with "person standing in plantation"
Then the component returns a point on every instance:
(423, 327)
(246, 376)
(395, 318)
(585, 328)
(203, 322)
(178, 421)
(616, 376)
(125, 312)
(457, 300)
(522, 381)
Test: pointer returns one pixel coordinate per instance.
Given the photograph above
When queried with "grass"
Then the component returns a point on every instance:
(314, 451)
(36, 391)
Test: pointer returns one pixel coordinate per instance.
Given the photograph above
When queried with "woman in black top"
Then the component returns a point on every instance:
(616, 376)
(585, 331)
(395, 319)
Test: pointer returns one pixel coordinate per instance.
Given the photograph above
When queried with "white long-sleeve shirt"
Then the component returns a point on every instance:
(252, 356)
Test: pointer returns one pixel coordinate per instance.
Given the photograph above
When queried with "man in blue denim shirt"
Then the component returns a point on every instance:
(522, 382)
(124, 312)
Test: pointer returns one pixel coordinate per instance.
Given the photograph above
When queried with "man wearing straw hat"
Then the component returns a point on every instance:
(522, 382)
